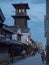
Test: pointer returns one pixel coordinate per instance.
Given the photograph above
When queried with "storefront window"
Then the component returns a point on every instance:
(7, 37)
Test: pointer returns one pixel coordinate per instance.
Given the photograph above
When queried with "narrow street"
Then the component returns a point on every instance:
(32, 60)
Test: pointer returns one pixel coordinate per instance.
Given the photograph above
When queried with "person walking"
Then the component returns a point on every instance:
(23, 53)
(43, 56)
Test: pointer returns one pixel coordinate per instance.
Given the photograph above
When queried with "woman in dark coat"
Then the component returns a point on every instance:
(43, 56)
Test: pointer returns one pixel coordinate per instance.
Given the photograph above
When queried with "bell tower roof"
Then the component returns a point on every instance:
(21, 5)
(15, 16)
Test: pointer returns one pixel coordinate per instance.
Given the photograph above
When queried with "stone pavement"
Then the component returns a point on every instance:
(32, 60)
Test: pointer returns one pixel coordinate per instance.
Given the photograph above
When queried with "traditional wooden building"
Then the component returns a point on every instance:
(2, 18)
(3, 50)
(21, 17)
(7, 32)
(5, 36)
(4, 30)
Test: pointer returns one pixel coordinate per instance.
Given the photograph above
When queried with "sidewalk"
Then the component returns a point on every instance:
(32, 60)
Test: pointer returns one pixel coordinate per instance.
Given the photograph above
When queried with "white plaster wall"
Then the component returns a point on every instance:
(19, 31)
(14, 37)
(24, 38)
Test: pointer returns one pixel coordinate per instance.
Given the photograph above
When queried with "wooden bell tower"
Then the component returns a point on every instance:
(21, 17)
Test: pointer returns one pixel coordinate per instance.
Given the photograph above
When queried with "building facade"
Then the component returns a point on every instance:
(4, 56)
(46, 23)
(4, 30)
(2, 18)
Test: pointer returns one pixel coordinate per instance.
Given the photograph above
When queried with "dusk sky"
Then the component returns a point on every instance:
(36, 13)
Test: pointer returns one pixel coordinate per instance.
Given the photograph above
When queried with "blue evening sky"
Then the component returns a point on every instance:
(36, 13)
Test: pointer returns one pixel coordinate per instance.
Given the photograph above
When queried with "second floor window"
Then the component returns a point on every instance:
(19, 10)
(23, 10)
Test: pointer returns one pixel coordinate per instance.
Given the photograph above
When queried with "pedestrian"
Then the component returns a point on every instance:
(43, 55)
(34, 53)
(23, 53)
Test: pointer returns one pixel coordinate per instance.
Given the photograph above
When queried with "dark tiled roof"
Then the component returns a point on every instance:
(21, 16)
(15, 29)
(6, 28)
(10, 42)
(21, 5)
(32, 41)
(2, 16)
(3, 41)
